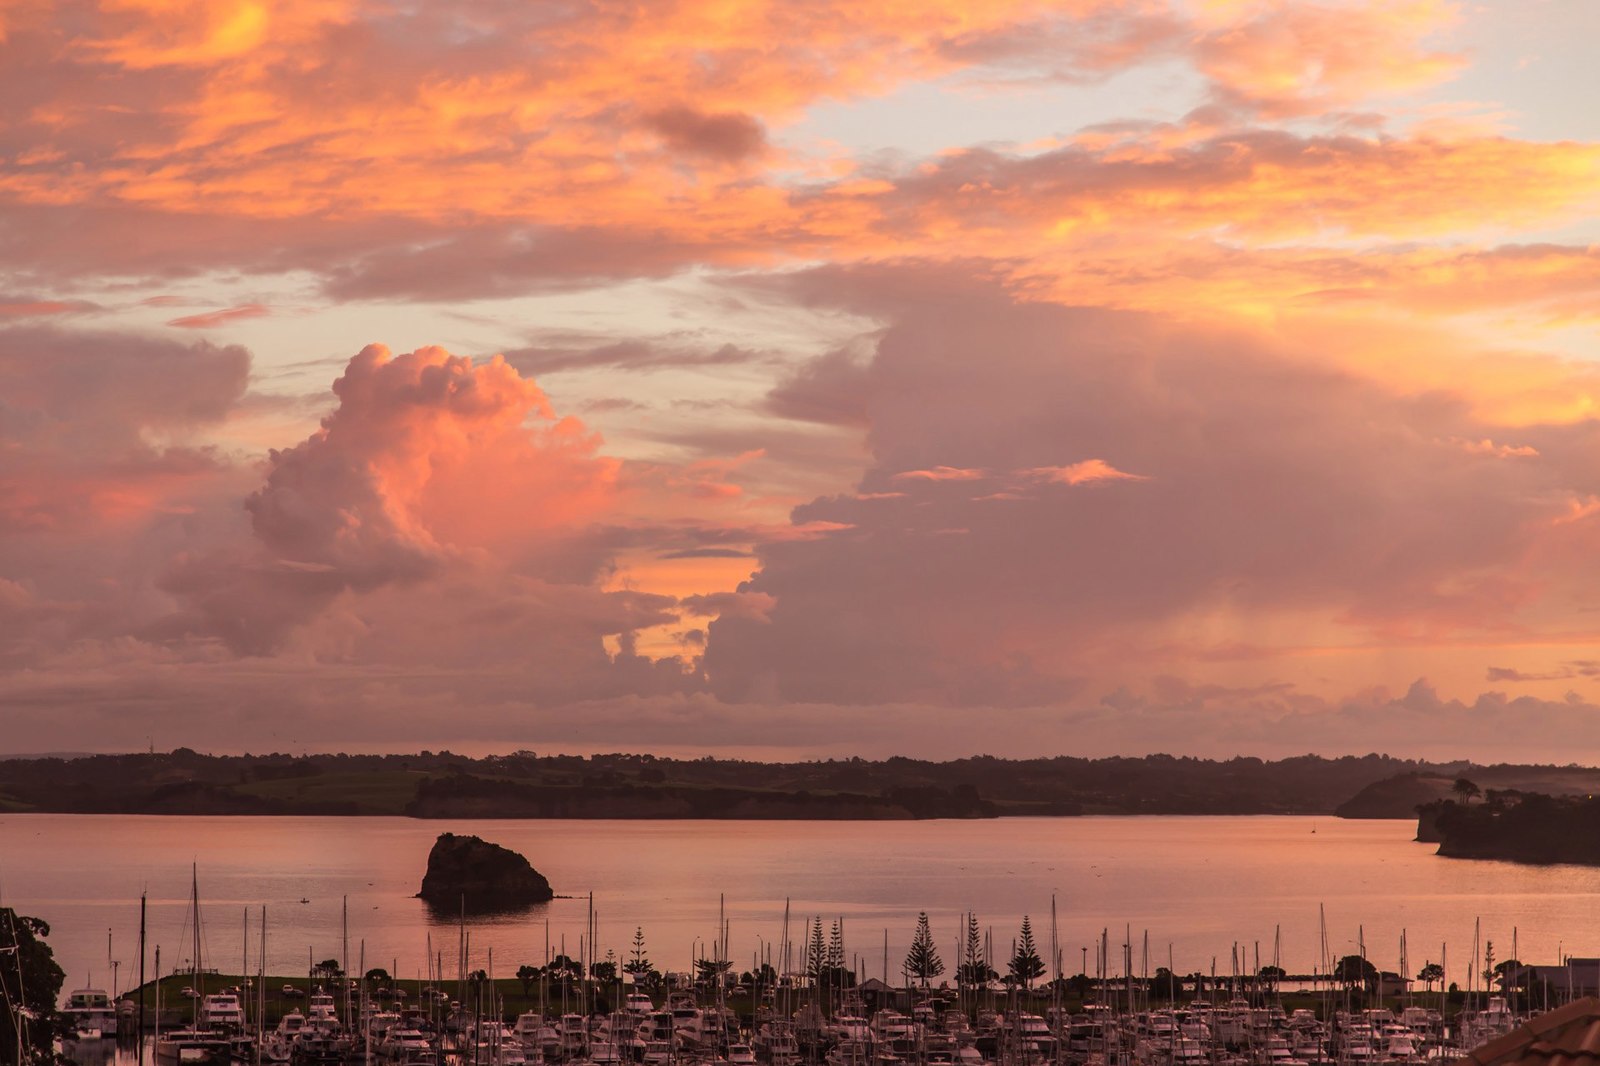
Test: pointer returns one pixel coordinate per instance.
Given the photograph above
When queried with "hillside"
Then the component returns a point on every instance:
(1525, 827)
(1401, 795)
(527, 785)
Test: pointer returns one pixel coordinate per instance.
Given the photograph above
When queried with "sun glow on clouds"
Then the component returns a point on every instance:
(1271, 384)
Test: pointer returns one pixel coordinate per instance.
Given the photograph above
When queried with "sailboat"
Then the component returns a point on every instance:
(194, 1045)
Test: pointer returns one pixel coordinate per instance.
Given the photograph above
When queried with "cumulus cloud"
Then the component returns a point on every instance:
(436, 487)
(427, 459)
(1274, 490)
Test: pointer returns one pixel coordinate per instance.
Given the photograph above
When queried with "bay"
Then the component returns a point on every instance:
(1200, 887)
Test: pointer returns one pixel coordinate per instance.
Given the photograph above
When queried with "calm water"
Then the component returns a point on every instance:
(1200, 885)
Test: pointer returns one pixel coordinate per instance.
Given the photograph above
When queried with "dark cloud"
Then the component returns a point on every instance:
(729, 136)
(1120, 474)
(639, 355)
(829, 389)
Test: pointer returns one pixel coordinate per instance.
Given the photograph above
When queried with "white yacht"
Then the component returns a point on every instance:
(405, 1046)
(91, 1013)
(222, 1011)
(278, 1045)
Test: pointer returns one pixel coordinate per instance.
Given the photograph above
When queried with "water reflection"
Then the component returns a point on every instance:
(1199, 885)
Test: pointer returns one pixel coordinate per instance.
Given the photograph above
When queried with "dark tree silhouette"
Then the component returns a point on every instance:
(30, 983)
(1354, 970)
(1026, 966)
(638, 965)
(974, 970)
(922, 961)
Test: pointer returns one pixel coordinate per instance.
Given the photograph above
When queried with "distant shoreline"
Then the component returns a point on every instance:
(525, 785)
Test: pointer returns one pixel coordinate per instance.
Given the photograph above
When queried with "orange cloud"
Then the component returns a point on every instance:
(940, 473)
(1087, 472)
(1294, 56)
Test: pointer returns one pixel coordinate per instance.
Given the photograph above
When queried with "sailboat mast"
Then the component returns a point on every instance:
(140, 1036)
(199, 985)
(344, 954)
(261, 988)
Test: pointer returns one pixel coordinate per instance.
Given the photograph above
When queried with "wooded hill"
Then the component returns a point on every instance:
(527, 785)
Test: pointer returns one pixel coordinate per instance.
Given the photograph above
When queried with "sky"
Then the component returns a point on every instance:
(801, 380)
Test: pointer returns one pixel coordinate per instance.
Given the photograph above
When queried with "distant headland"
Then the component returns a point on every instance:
(528, 785)
(1514, 826)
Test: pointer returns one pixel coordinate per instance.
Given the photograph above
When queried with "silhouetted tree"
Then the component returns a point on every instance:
(30, 983)
(1354, 970)
(1165, 984)
(1430, 973)
(922, 961)
(974, 970)
(1465, 789)
(638, 965)
(1026, 966)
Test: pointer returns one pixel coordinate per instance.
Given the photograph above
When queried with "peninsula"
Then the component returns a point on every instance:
(1525, 827)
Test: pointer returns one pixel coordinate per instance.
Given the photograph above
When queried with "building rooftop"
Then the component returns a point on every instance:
(1567, 1036)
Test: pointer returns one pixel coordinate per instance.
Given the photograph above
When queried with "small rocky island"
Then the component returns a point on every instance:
(468, 872)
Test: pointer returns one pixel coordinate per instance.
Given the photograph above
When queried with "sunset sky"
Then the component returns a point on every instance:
(801, 378)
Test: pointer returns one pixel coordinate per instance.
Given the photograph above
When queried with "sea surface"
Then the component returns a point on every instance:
(1201, 891)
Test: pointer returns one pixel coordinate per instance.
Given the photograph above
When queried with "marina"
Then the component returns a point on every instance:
(795, 1021)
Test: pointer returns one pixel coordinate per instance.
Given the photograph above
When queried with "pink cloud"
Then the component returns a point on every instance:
(15, 306)
(227, 316)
